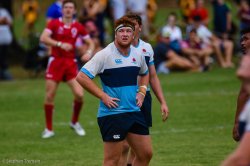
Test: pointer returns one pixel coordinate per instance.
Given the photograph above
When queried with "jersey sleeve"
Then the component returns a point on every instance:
(83, 32)
(144, 67)
(151, 54)
(94, 66)
(51, 26)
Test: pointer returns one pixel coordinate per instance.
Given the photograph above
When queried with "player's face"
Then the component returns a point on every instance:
(245, 43)
(68, 10)
(137, 28)
(124, 36)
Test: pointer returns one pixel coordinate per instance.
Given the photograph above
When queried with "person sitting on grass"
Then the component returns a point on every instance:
(192, 49)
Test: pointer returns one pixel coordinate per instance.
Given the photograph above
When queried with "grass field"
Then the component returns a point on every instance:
(198, 132)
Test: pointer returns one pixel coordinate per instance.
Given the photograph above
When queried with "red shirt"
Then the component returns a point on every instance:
(202, 12)
(65, 34)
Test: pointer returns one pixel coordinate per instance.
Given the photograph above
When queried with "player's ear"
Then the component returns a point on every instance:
(140, 29)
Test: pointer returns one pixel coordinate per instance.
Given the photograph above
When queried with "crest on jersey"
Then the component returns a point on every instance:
(145, 53)
(74, 32)
(134, 61)
(60, 30)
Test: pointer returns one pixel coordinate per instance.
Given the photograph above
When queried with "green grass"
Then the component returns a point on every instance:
(197, 133)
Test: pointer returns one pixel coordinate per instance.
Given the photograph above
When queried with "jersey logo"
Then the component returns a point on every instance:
(134, 61)
(118, 61)
(74, 32)
(60, 30)
(116, 136)
(145, 53)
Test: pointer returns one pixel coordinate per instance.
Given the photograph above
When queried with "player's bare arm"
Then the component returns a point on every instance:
(90, 51)
(156, 86)
(46, 39)
(91, 87)
(241, 155)
(241, 101)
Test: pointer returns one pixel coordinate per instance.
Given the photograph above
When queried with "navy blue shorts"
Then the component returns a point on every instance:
(116, 127)
(146, 109)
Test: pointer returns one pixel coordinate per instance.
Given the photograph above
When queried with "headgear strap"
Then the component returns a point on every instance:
(124, 25)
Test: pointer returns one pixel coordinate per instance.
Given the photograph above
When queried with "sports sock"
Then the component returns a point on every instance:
(48, 109)
(77, 106)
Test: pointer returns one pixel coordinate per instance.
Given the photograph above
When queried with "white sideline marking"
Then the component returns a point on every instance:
(195, 129)
(222, 93)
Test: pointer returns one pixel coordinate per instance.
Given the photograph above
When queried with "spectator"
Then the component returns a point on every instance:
(166, 59)
(140, 8)
(222, 19)
(186, 6)
(93, 11)
(30, 10)
(192, 48)
(54, 11)
(201, 11)
(5, 41)
(151, 13)
(174, 31)
(223, 49)
(118, 8)
(244, 14)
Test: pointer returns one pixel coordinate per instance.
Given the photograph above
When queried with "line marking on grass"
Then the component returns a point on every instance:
(195, 129)
(210, 93)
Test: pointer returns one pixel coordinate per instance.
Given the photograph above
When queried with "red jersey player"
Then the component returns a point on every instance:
(61, 35)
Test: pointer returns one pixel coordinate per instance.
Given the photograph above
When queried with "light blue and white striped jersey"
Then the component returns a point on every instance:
(118, 74)
(147, 51)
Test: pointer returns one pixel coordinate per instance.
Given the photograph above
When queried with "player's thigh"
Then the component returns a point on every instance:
(141, 144)
(112, 152)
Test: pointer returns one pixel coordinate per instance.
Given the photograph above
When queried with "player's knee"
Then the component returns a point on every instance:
(146, 155)
(111, 161)
(125, 148)
(149, 154)
(49, 98)
(79, 96)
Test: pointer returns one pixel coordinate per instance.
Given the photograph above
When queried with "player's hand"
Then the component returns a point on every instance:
(236, 135)
(66, 46)
(110, 102)
(164, 112)
(86, 57)
(139, 99)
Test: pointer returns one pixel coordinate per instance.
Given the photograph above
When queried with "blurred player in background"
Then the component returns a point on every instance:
(61, 35)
